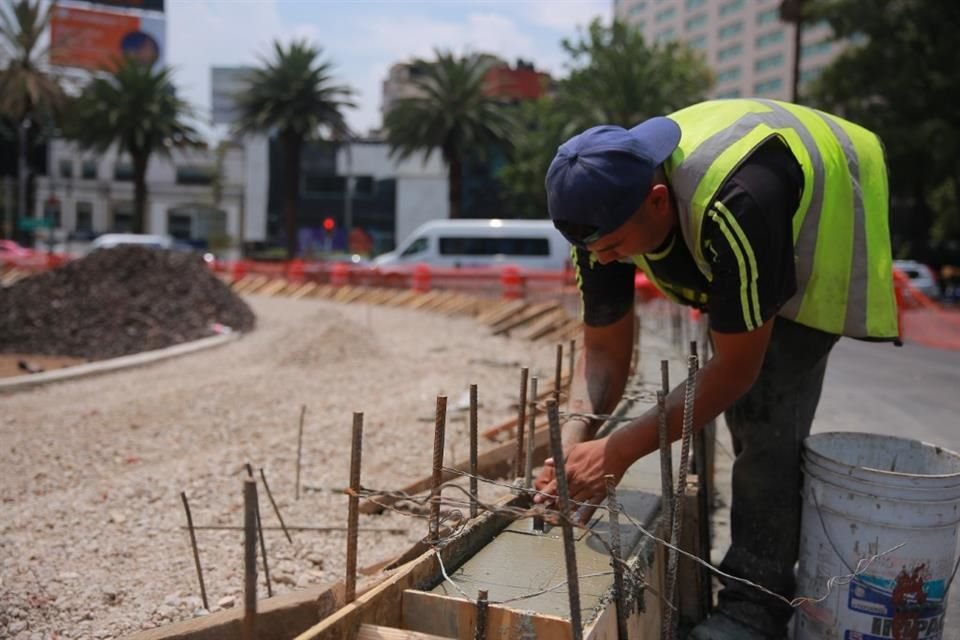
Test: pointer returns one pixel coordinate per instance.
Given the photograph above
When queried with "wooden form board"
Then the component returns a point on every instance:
(374, 632)
(382, 605)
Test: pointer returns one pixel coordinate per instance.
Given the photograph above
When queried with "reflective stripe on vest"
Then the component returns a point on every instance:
(841, 237)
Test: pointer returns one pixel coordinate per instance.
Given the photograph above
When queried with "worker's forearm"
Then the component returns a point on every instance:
(597, 386)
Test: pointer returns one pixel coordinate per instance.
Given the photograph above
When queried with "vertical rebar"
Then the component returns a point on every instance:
(616, 556)
(440, 425)
(569, 553)
(196, 552)
(686, 436)
(558, 374)
(263, 545)
(480, 631)
(353, 507)
(703, 504)
(665, 376)
(303, 412)
(249, 559)
(666, 459)
(273, 503)
(473, 452)
(521, 415)
(532, 419)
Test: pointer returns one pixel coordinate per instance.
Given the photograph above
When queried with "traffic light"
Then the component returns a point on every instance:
(328, 224)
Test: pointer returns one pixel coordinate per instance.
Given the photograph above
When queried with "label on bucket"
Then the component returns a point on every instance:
(910, 607)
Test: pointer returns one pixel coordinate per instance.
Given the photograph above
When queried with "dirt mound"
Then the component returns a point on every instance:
(115, 302)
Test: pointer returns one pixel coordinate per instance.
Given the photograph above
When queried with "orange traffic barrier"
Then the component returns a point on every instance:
(421, 278)
(295, 270)
(339, 274)
(512, 283)
(240, 268)
(922, 320)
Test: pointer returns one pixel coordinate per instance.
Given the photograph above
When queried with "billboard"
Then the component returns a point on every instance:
(143, 5)
(93, 40)
(225, 84)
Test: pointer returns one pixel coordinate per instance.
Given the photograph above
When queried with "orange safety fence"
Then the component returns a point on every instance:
(922, 320)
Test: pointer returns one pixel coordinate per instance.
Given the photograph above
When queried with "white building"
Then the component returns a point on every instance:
(90, 194)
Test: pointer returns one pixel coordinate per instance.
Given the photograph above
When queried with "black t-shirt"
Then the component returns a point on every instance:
(747, 238)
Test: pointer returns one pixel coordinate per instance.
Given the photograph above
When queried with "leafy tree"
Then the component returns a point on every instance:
(898, 77)
(617, 78)
(136, 108)
(614, 78)
(28, 93)
(295, 95)
(451, 112)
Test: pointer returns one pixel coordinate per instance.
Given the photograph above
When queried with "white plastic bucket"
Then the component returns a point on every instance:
(864, 494)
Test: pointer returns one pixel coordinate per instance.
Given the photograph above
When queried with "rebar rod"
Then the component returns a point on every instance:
(558, 374)
(353, 507)
(532, 420)
(249, 559)
(480, 631)
(273, 503)
(439, 430)
(263, 545)
(569, 552)
(521, 415)
(196, 552)
(616, 556)
(474, 508)
(303, 412)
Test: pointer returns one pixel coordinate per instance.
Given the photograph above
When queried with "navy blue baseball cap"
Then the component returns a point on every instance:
(600, 177)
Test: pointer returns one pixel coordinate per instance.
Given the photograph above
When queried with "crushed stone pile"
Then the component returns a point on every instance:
(118, 301)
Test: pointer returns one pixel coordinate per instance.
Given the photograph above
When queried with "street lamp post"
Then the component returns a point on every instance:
(792, 11)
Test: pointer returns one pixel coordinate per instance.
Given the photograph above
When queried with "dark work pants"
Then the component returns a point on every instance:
(768, 426)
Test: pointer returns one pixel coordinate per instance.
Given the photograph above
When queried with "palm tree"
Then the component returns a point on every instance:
(28, 94)
(135, 107)
(451, 112)
(295, 95)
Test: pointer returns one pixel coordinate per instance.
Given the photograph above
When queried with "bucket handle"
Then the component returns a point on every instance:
(823, 525)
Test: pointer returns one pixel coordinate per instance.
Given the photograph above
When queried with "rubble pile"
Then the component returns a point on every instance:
(116, 302)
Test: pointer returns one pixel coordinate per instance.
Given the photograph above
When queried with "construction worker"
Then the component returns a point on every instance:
(772, 218)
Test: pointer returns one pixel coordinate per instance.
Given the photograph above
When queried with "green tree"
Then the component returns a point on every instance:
(898, 77)
(614, 78)
(29, 95)
(136, 108)
(294, 94)
(617, 78)
(451, 112)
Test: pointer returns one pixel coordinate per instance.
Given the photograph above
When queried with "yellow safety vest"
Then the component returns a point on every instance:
(840, 230)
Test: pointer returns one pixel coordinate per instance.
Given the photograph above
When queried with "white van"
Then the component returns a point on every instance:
(111, 240)
(529, 244)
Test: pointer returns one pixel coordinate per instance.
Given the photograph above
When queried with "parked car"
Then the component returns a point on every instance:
(111, 240)
(920, 275)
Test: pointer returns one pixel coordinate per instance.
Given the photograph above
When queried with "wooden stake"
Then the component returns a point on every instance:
(440, 426)
(353, 513)
(196, 553)
(521, 414)
(474, 488)
(303, 412)
(249, 559)
(273, 503)
(569, 553)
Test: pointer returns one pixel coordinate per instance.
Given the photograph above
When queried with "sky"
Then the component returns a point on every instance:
(364, 38)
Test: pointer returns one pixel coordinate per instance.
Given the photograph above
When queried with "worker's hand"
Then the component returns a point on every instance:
(586, 466)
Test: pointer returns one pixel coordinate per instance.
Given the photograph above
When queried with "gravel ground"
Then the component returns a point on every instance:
(91, 536)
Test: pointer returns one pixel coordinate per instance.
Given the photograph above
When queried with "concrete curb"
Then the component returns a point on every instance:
(19, 383)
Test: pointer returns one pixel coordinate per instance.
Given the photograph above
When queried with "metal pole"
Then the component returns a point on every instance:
(558, 374)
(521, 415)
(196, 553)
(438, 436)
(474, 488)
(273, 503)
(528, 476)
(569, 553)
(353, 508)
(303, 412)
(263, 545)
(616, 557)
(249, 559)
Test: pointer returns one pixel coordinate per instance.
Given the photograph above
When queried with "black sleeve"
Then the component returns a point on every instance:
(606, 290)
(748, 240)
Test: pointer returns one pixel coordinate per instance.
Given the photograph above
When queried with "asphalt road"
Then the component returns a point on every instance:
(911, 391)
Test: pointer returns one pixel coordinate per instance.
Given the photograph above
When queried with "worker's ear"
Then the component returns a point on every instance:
(659, 198)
